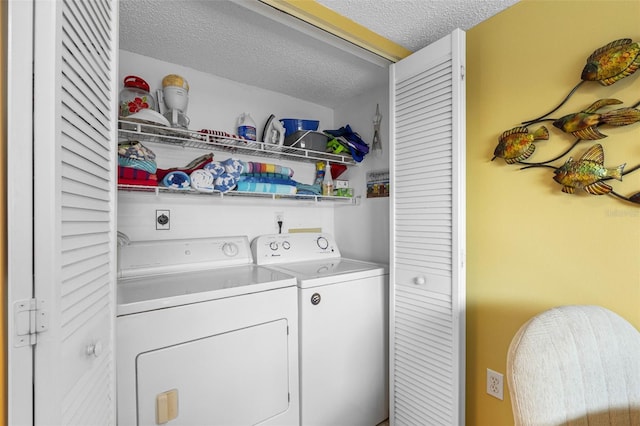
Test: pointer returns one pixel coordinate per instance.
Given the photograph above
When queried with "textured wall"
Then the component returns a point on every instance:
(530, 246)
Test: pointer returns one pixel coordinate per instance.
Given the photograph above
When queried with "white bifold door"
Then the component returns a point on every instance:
(427, 311)
(61, 155)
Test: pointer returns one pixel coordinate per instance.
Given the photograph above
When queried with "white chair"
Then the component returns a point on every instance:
(575, 365)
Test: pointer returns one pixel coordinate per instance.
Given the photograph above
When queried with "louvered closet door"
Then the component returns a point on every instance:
(74, 210)
(427, 235)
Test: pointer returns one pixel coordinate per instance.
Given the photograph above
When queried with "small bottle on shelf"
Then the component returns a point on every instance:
(327, 182)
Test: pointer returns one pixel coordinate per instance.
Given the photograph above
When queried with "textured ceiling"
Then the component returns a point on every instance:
(415, 24)
(245, 40)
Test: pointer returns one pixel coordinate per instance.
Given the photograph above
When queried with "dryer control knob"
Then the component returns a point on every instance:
(273, 245)
(230, 249)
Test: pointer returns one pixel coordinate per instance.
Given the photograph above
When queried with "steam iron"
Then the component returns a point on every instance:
(273, 131)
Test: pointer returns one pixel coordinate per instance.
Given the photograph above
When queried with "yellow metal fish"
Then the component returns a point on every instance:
(612, 62)
(517, 144)
(584, 124)
(587, 173)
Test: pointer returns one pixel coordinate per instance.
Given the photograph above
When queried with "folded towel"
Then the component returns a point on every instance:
(266, 175)
(270, 188)
(138, 182)
(197, 163)
(134, 150)
(225, 173)
(267, 179)
(233, 166)
(146, 165)
(221, 135)
(176, 180)
(132, 173)
(253, 167)
(308, 189)
(202, 180)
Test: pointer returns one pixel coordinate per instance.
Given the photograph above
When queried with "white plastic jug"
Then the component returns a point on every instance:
(246, 127)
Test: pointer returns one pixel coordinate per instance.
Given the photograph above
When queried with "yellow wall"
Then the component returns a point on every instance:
(530, 246)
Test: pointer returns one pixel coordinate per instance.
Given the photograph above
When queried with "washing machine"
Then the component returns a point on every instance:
(343, 328)
(204, 336)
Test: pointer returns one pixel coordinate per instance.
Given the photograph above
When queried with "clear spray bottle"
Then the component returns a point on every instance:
(327, 181)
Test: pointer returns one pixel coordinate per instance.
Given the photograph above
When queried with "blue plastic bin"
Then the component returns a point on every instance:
(292, 125)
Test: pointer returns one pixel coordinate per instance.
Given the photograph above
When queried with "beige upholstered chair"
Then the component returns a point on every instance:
(575, 365)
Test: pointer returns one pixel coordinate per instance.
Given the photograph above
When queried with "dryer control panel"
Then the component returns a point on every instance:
(140, 258)
(296, 247)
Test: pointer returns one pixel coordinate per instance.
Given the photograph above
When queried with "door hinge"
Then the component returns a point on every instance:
(30, 318)
(462, 72)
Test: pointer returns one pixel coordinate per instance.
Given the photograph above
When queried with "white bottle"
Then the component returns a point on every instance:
(247, 127)
(327, 182)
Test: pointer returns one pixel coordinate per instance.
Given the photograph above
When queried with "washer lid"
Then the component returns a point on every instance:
(139, 294)
(330, 271)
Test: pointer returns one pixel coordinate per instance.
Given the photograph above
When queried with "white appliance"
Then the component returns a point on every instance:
(204, 336)
(343, 326)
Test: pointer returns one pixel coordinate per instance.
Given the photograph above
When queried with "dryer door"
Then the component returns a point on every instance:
(234, 378)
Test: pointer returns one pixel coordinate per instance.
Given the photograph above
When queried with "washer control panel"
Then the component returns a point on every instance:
(297, 247)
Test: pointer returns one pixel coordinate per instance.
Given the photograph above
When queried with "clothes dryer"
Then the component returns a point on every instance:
(204, 336)
(343, 328)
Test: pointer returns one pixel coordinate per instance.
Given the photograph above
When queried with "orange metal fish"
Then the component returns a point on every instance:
(584, 124)
(517, 144)
(587, 173)
(612, 62)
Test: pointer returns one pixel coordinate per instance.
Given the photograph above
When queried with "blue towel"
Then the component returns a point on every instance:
(177, 180)
(225, 173)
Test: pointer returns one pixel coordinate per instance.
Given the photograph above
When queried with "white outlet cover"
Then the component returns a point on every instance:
(495, 384)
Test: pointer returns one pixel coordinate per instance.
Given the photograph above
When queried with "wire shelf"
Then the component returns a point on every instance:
(157, 190)
(144, 132)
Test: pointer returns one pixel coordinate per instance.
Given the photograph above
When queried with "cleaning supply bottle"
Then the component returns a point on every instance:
(327, 181)
(319, 174)
(246, 127)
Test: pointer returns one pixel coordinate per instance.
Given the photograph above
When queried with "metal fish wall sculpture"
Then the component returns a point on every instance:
(516, 145)
(587, 173)
(606, 65)
(612, 62)
(584, 124)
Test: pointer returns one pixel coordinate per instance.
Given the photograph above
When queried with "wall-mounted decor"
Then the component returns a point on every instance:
(378, 183)
(606, 65)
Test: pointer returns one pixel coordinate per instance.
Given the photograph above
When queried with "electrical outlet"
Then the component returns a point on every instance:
(495, 385)
(279, 217)
(163, 219)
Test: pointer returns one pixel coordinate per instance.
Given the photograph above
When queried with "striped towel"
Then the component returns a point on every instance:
(253, 167)
(221, 135)
(146, 165)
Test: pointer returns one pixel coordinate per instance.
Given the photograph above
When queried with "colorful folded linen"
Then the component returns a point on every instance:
(134, 150)
(132, 173)
(275, 179)
(270, 188)
(197, 163)
(146, 165)
(221, 135)
(137, 182)
(254, 167)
